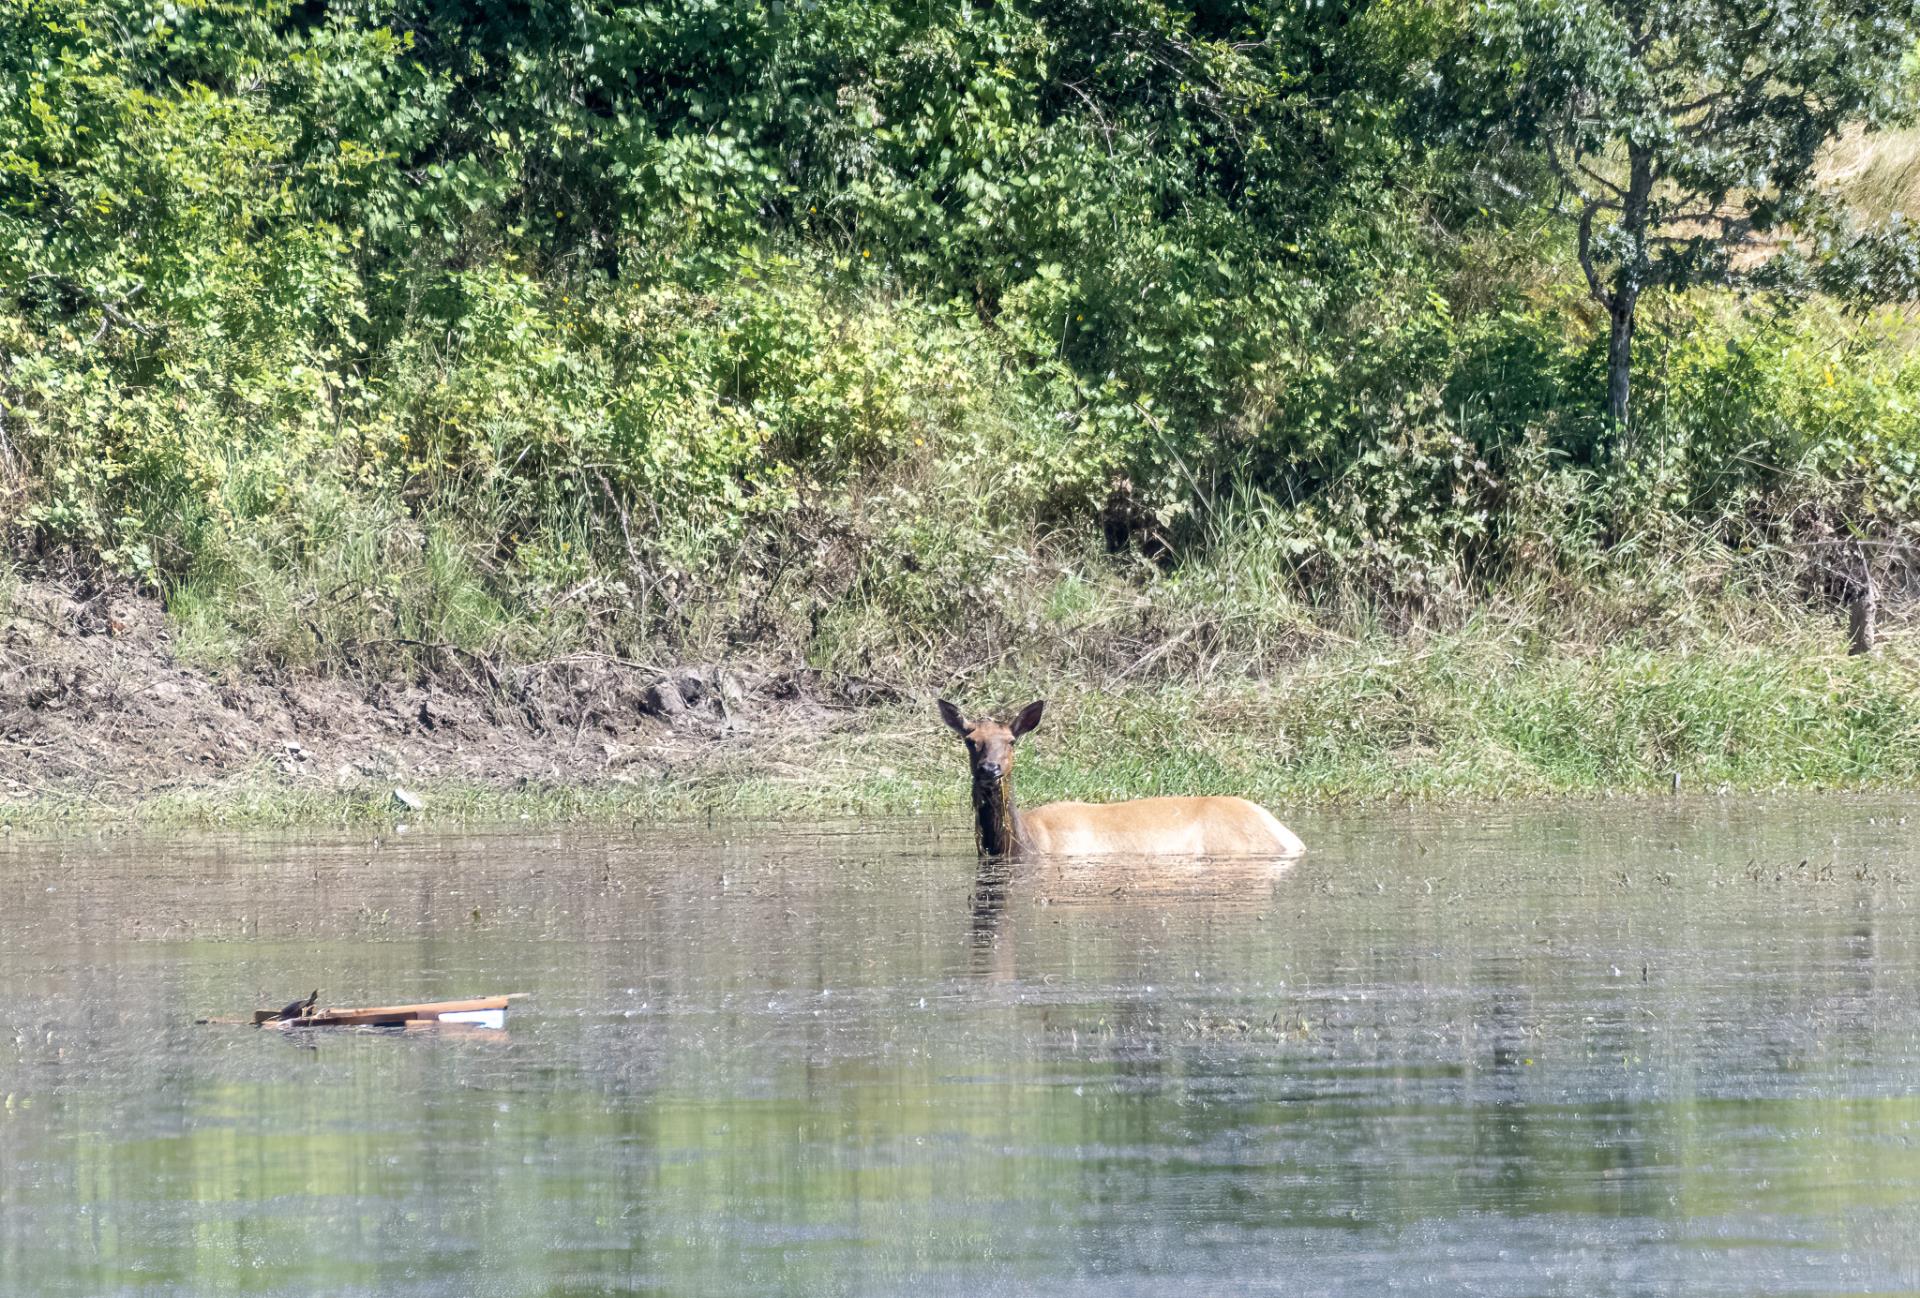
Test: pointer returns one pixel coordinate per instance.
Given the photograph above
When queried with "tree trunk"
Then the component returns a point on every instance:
(1620, 359)
(1863, 610)
(1863, 630)
(1627, 283)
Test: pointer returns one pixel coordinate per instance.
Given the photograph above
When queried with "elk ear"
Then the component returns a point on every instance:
(951, 715)
(1029, 718)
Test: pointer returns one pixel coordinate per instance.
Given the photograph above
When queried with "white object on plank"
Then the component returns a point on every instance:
(478, 1018)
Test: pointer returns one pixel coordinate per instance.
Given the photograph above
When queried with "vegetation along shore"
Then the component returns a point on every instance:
(648, 410)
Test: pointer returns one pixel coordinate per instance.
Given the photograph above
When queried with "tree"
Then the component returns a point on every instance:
(1687, 134)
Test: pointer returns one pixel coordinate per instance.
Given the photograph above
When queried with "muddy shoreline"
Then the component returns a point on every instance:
(97, 710)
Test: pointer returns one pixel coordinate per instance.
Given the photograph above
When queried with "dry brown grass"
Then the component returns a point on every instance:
(1878, 173)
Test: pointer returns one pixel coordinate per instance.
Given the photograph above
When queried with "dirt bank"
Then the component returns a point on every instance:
(96, 708)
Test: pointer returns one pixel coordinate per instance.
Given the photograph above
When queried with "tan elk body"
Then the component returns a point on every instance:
(1210, 826)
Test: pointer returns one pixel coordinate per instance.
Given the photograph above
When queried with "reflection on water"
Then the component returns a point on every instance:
(1557, 1051)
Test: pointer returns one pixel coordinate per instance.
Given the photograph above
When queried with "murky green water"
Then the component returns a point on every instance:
(1570, 1051)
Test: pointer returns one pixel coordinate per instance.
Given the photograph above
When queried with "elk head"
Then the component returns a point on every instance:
(990, 758)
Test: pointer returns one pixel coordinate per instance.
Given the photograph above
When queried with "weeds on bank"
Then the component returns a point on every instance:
(1479, 712)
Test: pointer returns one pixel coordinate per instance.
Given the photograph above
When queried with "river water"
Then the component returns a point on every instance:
(1642, 1049)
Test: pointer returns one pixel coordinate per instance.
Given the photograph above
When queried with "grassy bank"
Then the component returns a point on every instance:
(1479, 713)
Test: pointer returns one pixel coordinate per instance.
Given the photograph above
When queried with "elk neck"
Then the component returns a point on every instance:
(996, 825)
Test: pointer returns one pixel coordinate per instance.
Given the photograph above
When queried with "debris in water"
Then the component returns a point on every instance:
(480, 1012)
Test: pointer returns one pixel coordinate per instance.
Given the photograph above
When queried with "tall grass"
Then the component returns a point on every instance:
(1477, 713)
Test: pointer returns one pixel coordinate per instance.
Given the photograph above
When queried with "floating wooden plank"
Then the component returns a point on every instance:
(479, 1012)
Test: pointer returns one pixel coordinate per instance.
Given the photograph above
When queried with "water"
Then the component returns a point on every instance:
(1561, 1051)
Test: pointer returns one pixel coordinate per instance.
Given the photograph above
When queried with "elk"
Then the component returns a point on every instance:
(1144, 827)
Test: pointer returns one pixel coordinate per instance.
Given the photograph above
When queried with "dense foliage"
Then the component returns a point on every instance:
(842, 324)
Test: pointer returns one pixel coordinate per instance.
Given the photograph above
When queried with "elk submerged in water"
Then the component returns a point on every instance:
(1144, 827)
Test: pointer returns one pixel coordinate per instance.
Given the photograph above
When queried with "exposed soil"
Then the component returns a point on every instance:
(94, 704)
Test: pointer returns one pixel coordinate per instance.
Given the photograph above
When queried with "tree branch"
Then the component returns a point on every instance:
(1578, 168)
(1712, 97)
(1601, 180)
(1594, 286)
(111, 314)
(1709, 123)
